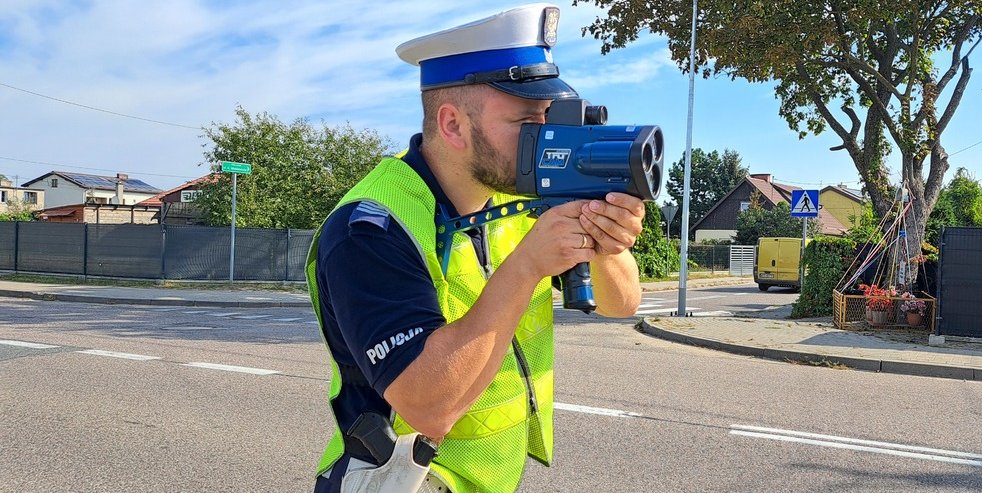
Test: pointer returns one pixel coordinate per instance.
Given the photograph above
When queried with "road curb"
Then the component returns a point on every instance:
(867, 364)
(694, 284)
(74, 298)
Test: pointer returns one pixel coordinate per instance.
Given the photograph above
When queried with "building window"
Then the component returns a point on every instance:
(744, 205)
(30, 198)
(54, 183)
(3, 196)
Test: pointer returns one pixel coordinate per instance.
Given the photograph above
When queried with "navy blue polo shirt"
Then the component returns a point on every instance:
(377, 300)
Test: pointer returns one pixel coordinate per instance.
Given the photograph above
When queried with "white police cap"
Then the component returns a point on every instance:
(509, 51)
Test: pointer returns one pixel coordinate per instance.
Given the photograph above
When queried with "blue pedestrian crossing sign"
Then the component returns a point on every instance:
(804, 203)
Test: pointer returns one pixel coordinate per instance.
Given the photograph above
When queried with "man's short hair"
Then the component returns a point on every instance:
(469, 98)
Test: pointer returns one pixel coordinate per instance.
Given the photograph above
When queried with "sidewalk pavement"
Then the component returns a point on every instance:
(767, 335)
(820, 344)
(229, 298)
(112, 295)
(696, 283)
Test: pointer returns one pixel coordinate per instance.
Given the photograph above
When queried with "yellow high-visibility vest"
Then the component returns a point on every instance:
(486, 449)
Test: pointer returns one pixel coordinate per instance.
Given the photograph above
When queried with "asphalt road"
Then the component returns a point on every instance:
(83, 407)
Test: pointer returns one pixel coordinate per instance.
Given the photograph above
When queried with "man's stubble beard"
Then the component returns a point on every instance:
(489, 167)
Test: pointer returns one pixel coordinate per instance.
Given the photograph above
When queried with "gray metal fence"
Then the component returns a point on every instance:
(710, 257)
(176, 252)
(742, 259)
(153, 251)
(959, 299)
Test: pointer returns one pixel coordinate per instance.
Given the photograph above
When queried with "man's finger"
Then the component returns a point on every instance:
(610, 237)
(630, 203)
(569, 209)
(617, 213)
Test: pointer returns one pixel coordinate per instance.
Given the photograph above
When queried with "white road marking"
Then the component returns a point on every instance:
(650, 305)
(705, 297)
(237, 369)
(887, 448)
(739, 294)
(285, 319)
(114, 354)
(31, 345)
(251, 317)
(602, 411)
(195, 312)
(666, 310)
(718, 313)
(228, 314)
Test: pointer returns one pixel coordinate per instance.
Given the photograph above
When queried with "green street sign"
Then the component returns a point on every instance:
(241, 168)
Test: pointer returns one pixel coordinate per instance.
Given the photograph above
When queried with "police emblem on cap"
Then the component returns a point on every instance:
(510, 51)
(550, 27)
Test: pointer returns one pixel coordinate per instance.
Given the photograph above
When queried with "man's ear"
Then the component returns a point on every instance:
(453, 125)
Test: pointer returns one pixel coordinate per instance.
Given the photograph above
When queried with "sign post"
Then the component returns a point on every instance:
(236, 169)
(804, 204)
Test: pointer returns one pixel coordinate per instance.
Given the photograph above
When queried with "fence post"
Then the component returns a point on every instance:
(286, 258)
(85, 249)
(163, 251)
(16, 243)
(713, 260)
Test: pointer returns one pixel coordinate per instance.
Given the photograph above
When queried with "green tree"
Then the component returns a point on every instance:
(866, 229)
(943, 215)
(299, 172)
(872, 61)
(757, 222)
(17, 211)
(960, 204)
(966, 197)
(713, 176)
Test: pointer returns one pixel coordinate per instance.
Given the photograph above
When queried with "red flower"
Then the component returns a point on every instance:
(878, 299)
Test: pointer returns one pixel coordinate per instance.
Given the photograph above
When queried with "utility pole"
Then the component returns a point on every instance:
(684, 234)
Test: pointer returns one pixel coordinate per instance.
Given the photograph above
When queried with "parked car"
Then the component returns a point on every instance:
(778, 263)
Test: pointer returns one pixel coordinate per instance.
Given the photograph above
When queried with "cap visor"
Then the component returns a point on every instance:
(548, 88)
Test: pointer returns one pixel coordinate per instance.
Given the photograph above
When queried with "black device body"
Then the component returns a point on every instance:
(574, 155)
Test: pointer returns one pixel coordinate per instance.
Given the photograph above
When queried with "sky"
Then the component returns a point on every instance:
(188, 64)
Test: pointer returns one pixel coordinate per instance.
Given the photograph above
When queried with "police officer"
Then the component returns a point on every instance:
(463, 357)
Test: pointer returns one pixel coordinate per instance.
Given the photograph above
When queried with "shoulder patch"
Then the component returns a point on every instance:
(368, 212)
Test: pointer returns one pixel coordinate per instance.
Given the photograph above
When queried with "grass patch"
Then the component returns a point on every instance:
(289, 287)
(823, 363)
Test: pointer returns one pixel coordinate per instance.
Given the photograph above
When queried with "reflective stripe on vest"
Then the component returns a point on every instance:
(486, 449)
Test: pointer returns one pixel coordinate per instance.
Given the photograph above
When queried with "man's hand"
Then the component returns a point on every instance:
(614, 224)
(557, 242)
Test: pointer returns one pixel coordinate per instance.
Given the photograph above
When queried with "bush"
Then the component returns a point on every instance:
(826, 260)
(656, 256)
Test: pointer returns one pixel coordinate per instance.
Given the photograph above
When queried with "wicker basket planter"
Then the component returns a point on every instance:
(849, 312)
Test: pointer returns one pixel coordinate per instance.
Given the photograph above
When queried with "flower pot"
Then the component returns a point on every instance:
(915, 319)
(877, 317)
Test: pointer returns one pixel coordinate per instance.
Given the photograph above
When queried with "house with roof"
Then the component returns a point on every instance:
(63, 188)
(177, 204)
(720, 223)
(845, 203)
(19, 198)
